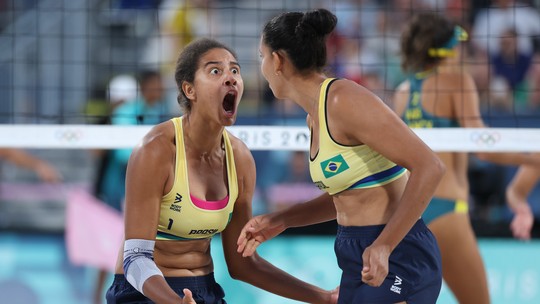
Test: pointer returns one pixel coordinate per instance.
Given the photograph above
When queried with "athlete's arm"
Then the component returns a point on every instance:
(400, 98)
(357, 116)
(465, 101)
(254, 269)
(21, 158)
(516, 196)
(467, 109)
(265, 227)
(147, 174)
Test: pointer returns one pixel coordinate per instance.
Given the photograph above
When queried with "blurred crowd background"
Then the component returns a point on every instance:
(112, 62)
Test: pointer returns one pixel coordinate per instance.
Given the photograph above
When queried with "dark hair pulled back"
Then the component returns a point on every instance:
(302, 36)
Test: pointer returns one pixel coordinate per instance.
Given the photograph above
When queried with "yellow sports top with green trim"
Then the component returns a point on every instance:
(338, 167)
(185, 217)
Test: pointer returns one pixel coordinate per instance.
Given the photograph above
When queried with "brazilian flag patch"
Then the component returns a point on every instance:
(334, 166)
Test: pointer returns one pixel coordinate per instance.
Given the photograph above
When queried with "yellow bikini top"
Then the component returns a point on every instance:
(185, 217)
(336, 167)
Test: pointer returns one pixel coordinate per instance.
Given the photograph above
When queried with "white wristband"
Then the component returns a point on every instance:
(139, 262)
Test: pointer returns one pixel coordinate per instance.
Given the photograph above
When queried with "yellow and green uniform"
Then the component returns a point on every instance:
(185, 217)
(338, 167)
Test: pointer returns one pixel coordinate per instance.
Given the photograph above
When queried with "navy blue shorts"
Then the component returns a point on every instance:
(205, 290)
(414, 267)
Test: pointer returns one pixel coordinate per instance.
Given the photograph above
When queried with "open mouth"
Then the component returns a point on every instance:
(229, 102)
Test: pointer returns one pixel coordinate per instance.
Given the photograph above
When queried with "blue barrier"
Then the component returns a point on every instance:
(35, 269)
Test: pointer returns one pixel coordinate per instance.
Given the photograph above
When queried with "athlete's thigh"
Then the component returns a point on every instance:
(462, 266)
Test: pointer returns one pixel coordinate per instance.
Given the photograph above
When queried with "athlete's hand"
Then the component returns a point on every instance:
(188, 297)
(375, 260)
(334, 294)
(259, 229)
(522, 222)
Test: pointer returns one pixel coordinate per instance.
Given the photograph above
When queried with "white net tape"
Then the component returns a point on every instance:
(260, 137)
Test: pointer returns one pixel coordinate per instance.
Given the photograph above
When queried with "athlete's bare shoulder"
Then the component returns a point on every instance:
(159, 142)
(244, 162)
(346, 93)
(454, 78)
(240, 149)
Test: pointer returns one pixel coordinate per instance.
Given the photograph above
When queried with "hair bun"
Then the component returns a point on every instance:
(316, 23)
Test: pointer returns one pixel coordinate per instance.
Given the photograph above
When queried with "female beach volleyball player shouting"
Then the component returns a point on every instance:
(187, 181)
(439, 93)
(360, 154)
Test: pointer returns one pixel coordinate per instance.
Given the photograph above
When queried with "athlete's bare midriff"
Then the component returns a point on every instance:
(371, 206)
(180, 258)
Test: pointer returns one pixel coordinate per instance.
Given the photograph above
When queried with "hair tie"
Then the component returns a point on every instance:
(447, 50)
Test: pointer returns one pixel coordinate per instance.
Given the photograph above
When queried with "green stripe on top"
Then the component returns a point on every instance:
(381, 180)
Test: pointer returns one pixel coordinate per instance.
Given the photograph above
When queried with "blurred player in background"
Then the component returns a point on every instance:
(441, 94)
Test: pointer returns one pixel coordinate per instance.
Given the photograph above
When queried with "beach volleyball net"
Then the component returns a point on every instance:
(63, 64)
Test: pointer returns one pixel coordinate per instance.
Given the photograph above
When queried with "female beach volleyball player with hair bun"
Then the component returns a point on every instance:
(189, 180)
(440, 94)
(360, 154)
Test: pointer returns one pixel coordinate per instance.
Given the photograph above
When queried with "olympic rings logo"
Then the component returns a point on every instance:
(485, 138)
(68, 135)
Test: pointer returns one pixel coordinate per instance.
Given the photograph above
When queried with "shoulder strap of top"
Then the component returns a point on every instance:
(181, 166)
(323, 95)
(231, 166)
(416, 80)
(179, 137)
